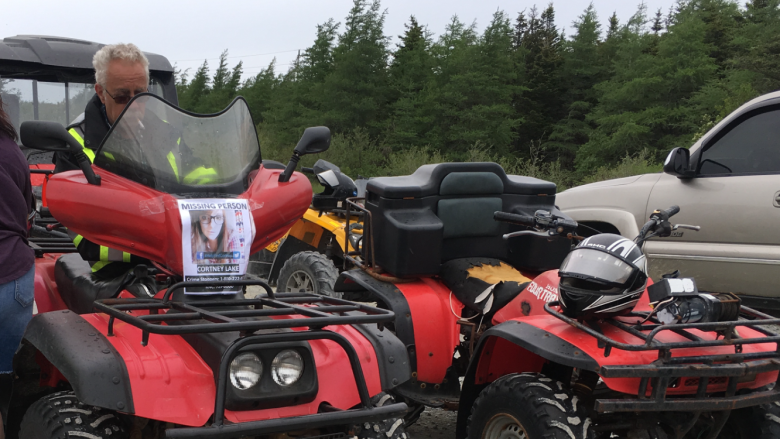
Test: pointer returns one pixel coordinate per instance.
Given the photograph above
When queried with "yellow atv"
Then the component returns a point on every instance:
(306, 259)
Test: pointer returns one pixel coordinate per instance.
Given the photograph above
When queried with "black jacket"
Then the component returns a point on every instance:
(93, 125)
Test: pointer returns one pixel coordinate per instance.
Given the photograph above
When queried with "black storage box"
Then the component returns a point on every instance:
(445, 211)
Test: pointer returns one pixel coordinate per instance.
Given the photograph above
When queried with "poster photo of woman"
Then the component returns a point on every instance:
(214, 237)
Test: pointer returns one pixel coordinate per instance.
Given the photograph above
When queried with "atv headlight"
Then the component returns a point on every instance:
(245, 371)
(287, 367)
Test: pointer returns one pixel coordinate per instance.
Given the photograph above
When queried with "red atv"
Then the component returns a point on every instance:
(468, 259)
(138, 354)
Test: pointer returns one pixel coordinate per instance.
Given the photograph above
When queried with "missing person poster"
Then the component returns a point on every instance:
(216, 241)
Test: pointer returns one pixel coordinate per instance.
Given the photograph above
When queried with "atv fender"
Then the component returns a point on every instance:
(425, 320)
(85, 357)
(290, 246)
(514, 347)
(164, 380)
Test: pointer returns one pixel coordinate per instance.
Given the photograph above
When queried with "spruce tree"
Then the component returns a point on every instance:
(410, 72)
(583, 68)
(539, 102)
(644, 106)
(355, 93)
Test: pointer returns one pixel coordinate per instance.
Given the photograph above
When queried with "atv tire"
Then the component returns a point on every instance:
(528, 406)
(757, 422)
(61, 416)
(391, 428)
(308, 272)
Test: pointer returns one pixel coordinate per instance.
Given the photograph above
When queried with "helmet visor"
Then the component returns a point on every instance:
(599, 266)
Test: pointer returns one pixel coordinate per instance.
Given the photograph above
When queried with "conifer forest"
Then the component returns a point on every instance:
(572, 105)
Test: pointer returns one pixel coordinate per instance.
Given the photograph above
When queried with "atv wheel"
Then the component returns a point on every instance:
(308, 272)
(757, 422)
(61, 415)
(391, 428)
(528, 406)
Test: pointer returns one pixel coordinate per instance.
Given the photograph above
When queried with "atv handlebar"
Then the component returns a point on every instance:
(547, 223)
(659, 225)
(307, 170)
(670, 212)
(513, 218)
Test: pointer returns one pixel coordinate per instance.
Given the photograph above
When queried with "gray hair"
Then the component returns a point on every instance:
(128, 52)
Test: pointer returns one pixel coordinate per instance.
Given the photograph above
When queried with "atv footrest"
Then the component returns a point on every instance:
(271, 426)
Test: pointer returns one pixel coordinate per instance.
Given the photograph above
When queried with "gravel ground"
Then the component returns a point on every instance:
(434, 424)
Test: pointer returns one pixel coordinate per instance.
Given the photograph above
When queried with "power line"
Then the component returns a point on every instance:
(237, 56)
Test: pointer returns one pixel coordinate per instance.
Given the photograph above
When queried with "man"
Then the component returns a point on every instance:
(121, 72)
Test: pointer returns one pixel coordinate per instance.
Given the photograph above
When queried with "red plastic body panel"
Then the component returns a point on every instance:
(47, 296)
(171, 383)
(436, 329)
(501, 357)
(169, 380)
(336, 383)
(146, 222)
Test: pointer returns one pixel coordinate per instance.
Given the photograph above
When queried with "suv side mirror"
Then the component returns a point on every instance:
(678, 163)
(52, 136)
(313, 141)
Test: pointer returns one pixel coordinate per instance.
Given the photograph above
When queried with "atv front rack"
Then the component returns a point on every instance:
(305, 311)
(727, 329)
(226, 315)
(662, 373)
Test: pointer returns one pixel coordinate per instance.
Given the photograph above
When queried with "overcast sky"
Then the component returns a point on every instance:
(256, 31)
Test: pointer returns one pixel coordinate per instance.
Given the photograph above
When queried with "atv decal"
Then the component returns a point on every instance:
(545, 293)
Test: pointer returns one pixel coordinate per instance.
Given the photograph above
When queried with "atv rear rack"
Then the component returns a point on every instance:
(308, 311)
(662, 373)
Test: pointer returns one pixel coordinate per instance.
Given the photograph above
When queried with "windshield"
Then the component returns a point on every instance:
(173, 151)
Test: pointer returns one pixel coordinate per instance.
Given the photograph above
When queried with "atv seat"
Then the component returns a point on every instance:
(445, 211)
(79, 287)
(483, 285)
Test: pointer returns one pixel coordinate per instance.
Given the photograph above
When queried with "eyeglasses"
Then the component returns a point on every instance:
(207, 219)
(124, 99)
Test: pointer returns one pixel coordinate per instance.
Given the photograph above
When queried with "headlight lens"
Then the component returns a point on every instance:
(245, 371)
(287, 367)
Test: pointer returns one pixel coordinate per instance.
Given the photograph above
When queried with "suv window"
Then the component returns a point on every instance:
(26, 99)
(751, 145)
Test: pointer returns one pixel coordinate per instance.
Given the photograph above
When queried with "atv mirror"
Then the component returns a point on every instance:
(678, 163)
(313, 141)
(47, 136)
(51, 136)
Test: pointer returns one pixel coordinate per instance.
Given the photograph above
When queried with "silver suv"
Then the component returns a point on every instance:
(728, 183)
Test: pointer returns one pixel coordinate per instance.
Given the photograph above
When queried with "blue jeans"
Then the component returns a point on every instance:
(16, 306)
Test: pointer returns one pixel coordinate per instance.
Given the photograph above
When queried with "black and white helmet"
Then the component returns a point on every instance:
(603, 276)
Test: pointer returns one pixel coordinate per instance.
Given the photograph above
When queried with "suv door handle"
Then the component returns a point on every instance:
(776, 201)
